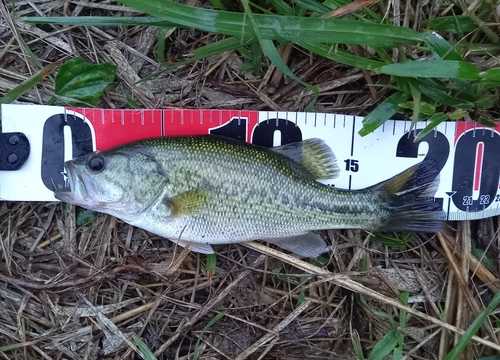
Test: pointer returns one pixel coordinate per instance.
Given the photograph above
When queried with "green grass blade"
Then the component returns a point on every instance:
(272, 53)
(382, 113)
(404, 296)
(417, 99)
(276, 27)
(437, 92)
(210, 265)
(473, 328)
(451, 24)
(203, 52)
(29, 83)
(441, 49)
(99, 20)
(146, 353)
(391, 241)
(440, 69)
(342, 56)
(282, 7)
(385, 346)
(314, 6)
(160, 51)
(210, 323)
(434, 121)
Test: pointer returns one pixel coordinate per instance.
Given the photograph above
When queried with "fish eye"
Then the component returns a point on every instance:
(96, 164)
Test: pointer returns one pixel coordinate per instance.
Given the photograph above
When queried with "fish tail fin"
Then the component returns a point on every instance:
(408, 200)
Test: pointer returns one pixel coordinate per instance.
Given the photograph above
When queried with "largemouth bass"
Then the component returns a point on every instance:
(203, 190)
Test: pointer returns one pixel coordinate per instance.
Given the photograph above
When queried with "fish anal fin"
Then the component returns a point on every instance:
(314, 155)
(309, 245)
(187, 203)
(196, 247)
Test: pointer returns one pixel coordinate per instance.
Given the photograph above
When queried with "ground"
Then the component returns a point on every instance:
(80, 292)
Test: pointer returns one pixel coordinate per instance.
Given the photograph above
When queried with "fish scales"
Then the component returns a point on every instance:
(213, 190)
(254, 191)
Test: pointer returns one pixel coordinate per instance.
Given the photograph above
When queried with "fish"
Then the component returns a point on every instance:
(208, 190)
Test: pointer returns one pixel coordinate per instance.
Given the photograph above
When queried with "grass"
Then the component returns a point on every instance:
(413, 296)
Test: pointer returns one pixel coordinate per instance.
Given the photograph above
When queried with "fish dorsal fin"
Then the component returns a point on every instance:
(309, 245)
(187, 203)
(314, 155)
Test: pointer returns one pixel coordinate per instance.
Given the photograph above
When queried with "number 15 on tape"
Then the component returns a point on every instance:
(467, 155)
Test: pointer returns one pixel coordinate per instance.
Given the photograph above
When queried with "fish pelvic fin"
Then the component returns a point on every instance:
(187, 203)
(408, 199)
(314, 155)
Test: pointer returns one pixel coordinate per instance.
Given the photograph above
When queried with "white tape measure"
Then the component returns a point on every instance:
(467, 154)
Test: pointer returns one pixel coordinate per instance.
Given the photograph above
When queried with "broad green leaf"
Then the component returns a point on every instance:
(383, 112)
(397, 353)
(210, 323)
(482, 256)
(449, 24)
(434, 121)
(483, 120)
(441, 69)
(457, 114)
(492, 75)
(81, 81)
(321, 261)
(441, 49)
(277, 27)
(391, 241)
(473, 328)
(84, 217)
(385, 346)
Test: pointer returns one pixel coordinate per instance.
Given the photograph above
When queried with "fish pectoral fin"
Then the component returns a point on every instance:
(187, 203)
(196, 247)
(314, 155)
(309, 245)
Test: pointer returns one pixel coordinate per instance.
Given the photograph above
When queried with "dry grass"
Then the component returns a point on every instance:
(69, 292)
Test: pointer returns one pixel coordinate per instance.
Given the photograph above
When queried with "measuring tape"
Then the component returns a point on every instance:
(467, 154)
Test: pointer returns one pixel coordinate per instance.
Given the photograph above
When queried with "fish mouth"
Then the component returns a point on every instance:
(76, 192)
